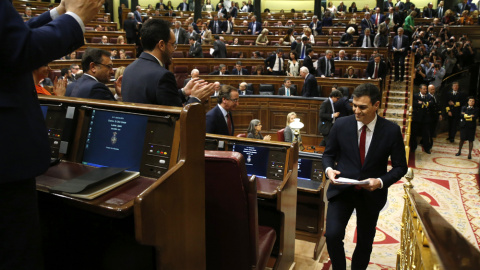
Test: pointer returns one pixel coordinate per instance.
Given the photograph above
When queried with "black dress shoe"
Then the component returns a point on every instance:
(452, 140)
(428, 151)
(458, 154)
(448, 139)
(469, 156)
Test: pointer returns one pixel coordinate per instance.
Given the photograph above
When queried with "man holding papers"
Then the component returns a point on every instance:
(359, 148)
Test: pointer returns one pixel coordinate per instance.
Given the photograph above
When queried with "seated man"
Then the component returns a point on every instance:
(358, 56)
(341, 56)
(242, 90)
(195, 74)
(287, 89)
(239, 70)
(222, 70)
(98, 68)
(219, 119)
(326, 65)
(376, 69)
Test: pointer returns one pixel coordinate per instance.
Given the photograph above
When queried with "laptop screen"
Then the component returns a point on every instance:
(115, 139)
(310, 166)
(256, 158)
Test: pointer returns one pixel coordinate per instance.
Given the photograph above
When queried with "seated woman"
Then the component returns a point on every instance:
(465, 19)
(41, 74)
(330, 42)
(353, 8)
(293, 64)
(254, 129)
(259, 70)
(120, 40)
(288, 133)
(347, 39)
(262, 38)
(350, 73)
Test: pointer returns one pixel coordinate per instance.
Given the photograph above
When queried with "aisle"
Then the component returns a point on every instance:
(448, 183)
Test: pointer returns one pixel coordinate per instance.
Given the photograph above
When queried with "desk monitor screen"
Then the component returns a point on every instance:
(262, 161)
(310, 166)
(115, 139)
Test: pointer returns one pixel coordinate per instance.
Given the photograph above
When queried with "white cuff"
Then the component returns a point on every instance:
(54, 14)
(77, 18)
(381, 183)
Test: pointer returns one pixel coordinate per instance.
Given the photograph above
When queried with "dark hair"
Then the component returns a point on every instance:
(471, 97)
(368, 89)
(336, 93)
(287, 79)
(279, 50)
(153, 31)
(64, 71)
(216, 37)
(309, 50)
(224, 92)
(93, 55)
(295, 55)
(305, 38)
(422, 85)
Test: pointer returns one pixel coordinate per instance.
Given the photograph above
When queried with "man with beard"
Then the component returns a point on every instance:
(146, 80)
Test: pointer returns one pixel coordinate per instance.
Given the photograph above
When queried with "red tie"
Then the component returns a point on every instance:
(363, 137)
(378, 18)
(376, 71)
(229, 124)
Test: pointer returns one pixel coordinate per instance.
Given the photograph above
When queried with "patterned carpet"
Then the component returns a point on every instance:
(448, 183)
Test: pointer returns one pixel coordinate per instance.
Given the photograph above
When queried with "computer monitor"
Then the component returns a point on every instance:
(310, 166)
(115, 139)
(262, 160)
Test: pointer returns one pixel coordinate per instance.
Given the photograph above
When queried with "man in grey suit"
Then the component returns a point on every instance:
(219, 48)
(287, 89)
(195, 49)
(181, 35)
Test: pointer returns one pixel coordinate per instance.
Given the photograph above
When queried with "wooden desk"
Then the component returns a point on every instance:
(141, 214)
(111, 26)
(276, 199)
(110, 34)
(59, 64)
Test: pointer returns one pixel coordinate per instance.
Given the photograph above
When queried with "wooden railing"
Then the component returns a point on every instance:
(408, 130)
(428, 241)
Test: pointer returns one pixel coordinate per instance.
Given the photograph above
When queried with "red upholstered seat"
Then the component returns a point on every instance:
(233, 238)
(181, 73)
(280, 135)
(177, 54)
(242, 135)
(96, 40)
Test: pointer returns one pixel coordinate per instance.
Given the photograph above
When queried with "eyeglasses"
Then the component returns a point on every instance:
(258, 124)
(107, 66)
(173, 45)
(234, 100)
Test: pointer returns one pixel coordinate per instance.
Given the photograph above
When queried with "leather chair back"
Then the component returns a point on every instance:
(281, 135)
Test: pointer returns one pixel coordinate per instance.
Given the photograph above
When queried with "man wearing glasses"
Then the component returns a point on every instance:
(147, 80)
(219, 119)
(98, 68)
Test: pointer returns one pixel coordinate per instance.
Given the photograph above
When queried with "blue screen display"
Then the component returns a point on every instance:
(256, 158)
(44, 110)
(304, 169)
(115, 140)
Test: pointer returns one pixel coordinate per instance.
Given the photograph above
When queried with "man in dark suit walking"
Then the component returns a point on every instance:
(310, 86)
(195, 48)
(254, 27)
(275, 63)
(366, 39)
(287, 89)
(181, 36)
(25, 148)
(146, 80)
(455, 101)
(308, 62)
(421, 119)
(219, 119)
(219, 48)
(359, 148)
(98, 68)
(130, 27)
(327, 115)
(326, 65)
(400, 51)
(436, 112)
(215, 25)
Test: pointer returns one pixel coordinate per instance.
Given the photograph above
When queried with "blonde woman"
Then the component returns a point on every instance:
(120, 40)
(262, 39)
(288, 133)
(307, 32)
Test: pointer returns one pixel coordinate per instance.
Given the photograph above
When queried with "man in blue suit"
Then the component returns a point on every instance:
(400, 50)
(98, 68)
(219, 119)
(315, 26)
(254, 27)
(183, 6)
(310, 86)
(25, 151)
(239, 70)
(377, 18)
(146, 80)
(138, 14)
(359, 148)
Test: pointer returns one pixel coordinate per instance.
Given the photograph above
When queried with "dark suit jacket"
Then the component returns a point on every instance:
(382, 69)
(460, 7)
(137, 16)
(364, 23)
(145, 81)
(217, 72)
(25, 148)
(196, 50)
(343, 107)
(325, 116)
(182, 36)
(172, 15)
(130, 27)
(360, 40)
(195, 28)
(321, 66)
(258, 28)
(244, 71)
(405, 44)
(234, 12)
(358, 58)
(460, 97)
(219, 49)
(180, 6)
(293, 91)
(387, 5)
(310, 87)
(319, 27)
(88, 87)
(342, 154)
(270, 62)
(216, 123)
(307, 62)
(225, 26)
(338, 58)
(247, 92)
(428, 13)
(214, 29)
(421, 113)
(298, 49)
(373, 18)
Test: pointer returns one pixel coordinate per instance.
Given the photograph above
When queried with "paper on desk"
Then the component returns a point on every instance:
(211, 51)
(348, 181)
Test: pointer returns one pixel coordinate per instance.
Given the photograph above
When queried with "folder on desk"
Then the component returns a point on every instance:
(95, 183)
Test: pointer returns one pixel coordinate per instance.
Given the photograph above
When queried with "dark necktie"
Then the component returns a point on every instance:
(363, 138)
(229, 124)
